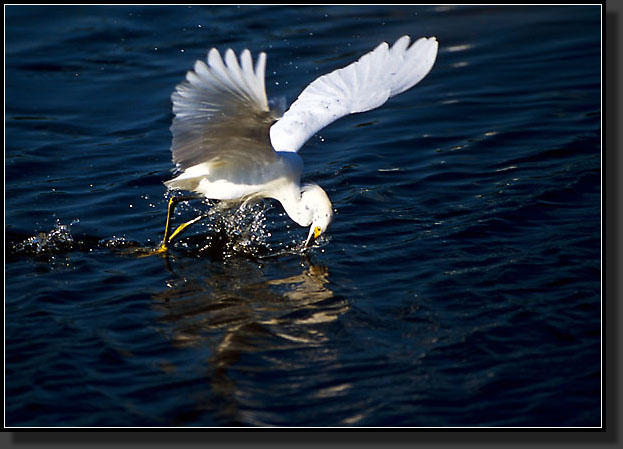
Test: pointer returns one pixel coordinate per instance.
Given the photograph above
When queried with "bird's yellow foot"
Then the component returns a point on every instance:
(162, 249)
(146, 252)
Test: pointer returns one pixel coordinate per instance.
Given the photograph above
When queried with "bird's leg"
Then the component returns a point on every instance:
(168, 236)
(183, 226)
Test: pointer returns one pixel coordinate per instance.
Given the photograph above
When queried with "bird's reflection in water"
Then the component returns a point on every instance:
(257, 324)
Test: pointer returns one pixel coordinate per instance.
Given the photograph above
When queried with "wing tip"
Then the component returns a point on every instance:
(213, 52)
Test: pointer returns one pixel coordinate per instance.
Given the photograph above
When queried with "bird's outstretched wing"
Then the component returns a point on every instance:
(361, 86)
(221, 113)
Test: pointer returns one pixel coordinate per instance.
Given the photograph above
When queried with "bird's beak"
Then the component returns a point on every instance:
(314, 233)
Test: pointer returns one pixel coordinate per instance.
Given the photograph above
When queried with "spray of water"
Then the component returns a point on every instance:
(240, 230)
(55, 241)
(226, 231)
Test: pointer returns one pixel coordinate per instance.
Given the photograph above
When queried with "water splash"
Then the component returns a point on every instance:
(57, 240)
(117, 243)
(228, 231)
(243, 230)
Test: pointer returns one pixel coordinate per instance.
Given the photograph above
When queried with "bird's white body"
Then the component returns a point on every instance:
(231, 146)
(216, 181)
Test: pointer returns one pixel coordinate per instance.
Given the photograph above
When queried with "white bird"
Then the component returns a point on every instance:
(229, 145)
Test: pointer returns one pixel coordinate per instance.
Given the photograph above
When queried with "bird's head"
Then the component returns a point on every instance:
(317, 202)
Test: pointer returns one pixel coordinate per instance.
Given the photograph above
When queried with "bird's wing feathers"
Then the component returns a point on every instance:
(361, 86)
(221, 112)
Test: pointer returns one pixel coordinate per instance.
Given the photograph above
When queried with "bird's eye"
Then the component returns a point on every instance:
(317, 232)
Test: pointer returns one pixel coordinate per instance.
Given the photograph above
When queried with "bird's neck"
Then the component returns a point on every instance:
(295, 207)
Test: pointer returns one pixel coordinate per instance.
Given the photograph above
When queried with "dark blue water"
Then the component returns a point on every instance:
(459, 284)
